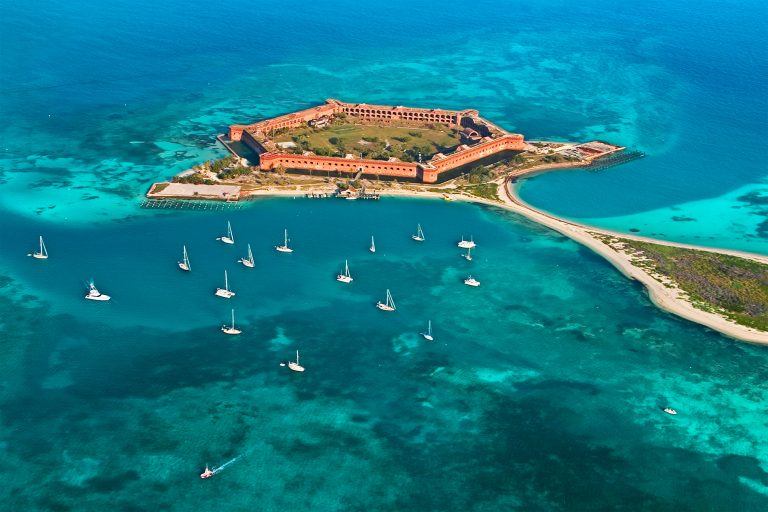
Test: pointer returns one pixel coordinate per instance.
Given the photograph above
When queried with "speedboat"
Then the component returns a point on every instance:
(207, 473)
(670, 410)
(95, 294)
(471, 281)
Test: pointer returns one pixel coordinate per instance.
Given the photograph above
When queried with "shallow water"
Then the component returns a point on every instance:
(544, 387)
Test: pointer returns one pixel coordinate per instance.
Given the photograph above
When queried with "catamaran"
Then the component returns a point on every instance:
(468, 256)
(294, 365)
(428, 335)
(184, 263)
(467, 244)
(345, 277)
(225, 292)
(419, 236)
(373, 245)
(389, 305)
(471, 281)
(230, 237)
(284, 247)
(230, 329)
(248, 262)
(42, 253)
(94, 294)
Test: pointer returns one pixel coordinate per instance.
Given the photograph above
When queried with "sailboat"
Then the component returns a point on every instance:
(225, 292)
(345, 277)
(294, 365)
(428, 335)
(468, 256)
(42, 253)
(248, 262)
(284, 247)
(373, 245)
(184, 263)
(471, 281)
(230, 238)
(419, 236)
(467, 244)
(389, 305)
(230, 329)
(94, 294)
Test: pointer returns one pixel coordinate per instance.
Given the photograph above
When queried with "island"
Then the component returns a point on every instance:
(362, 151)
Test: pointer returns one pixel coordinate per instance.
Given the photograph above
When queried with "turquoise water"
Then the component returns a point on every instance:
(544, 386)
(543, 389)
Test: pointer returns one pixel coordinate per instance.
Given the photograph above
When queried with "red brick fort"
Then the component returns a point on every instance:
(483, 139)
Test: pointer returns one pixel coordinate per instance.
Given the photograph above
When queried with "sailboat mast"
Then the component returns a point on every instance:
(226, 281)
(297, 357)
(233, 319)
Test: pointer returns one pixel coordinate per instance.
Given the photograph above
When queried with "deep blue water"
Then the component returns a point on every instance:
(544, 388)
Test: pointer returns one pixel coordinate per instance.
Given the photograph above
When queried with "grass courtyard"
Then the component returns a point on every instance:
(371, 141)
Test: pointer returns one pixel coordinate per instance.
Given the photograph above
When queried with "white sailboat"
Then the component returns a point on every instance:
(94, 294)
(184, 263)
(230, 237)
(428, 335)
(284, 247)
(345, 276)
(419, 236)
(248, 262)
(389, 305)
(471, 281)
(294, 365)
(230, 329)
(467, 244)
(468, 256)
(373, 245)
(42, 253)
(225, 292)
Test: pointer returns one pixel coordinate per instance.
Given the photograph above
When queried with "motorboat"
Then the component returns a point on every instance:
(95, 294)
(471, 281)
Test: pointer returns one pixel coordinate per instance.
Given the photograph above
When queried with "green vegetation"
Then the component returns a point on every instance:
(195, 179)
(371, 141)
(734, 287)
(480, 174)
(484, 190)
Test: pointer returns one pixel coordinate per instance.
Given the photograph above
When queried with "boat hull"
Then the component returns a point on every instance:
(282, 248)
(39, 256)
(384, 307)
(230, 331)
(100, 298)
(295, 367)
(343, 279)
(183, 266)
(226, 294)
(247, 263)
(226, 240)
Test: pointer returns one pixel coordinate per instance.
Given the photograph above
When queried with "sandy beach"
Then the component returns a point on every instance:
(668, 299)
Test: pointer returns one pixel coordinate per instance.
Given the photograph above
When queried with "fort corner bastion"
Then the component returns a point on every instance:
(476, 139)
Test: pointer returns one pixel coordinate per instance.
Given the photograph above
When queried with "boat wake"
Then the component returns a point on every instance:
(223, 466)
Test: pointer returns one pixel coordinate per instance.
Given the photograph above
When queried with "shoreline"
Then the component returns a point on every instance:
(667, 299)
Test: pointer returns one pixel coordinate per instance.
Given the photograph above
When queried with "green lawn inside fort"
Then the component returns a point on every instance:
(371, 141)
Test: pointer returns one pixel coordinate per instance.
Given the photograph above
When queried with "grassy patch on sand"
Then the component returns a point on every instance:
(734, 287)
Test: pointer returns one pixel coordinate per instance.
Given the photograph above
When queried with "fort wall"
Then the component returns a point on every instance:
(428, 172)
